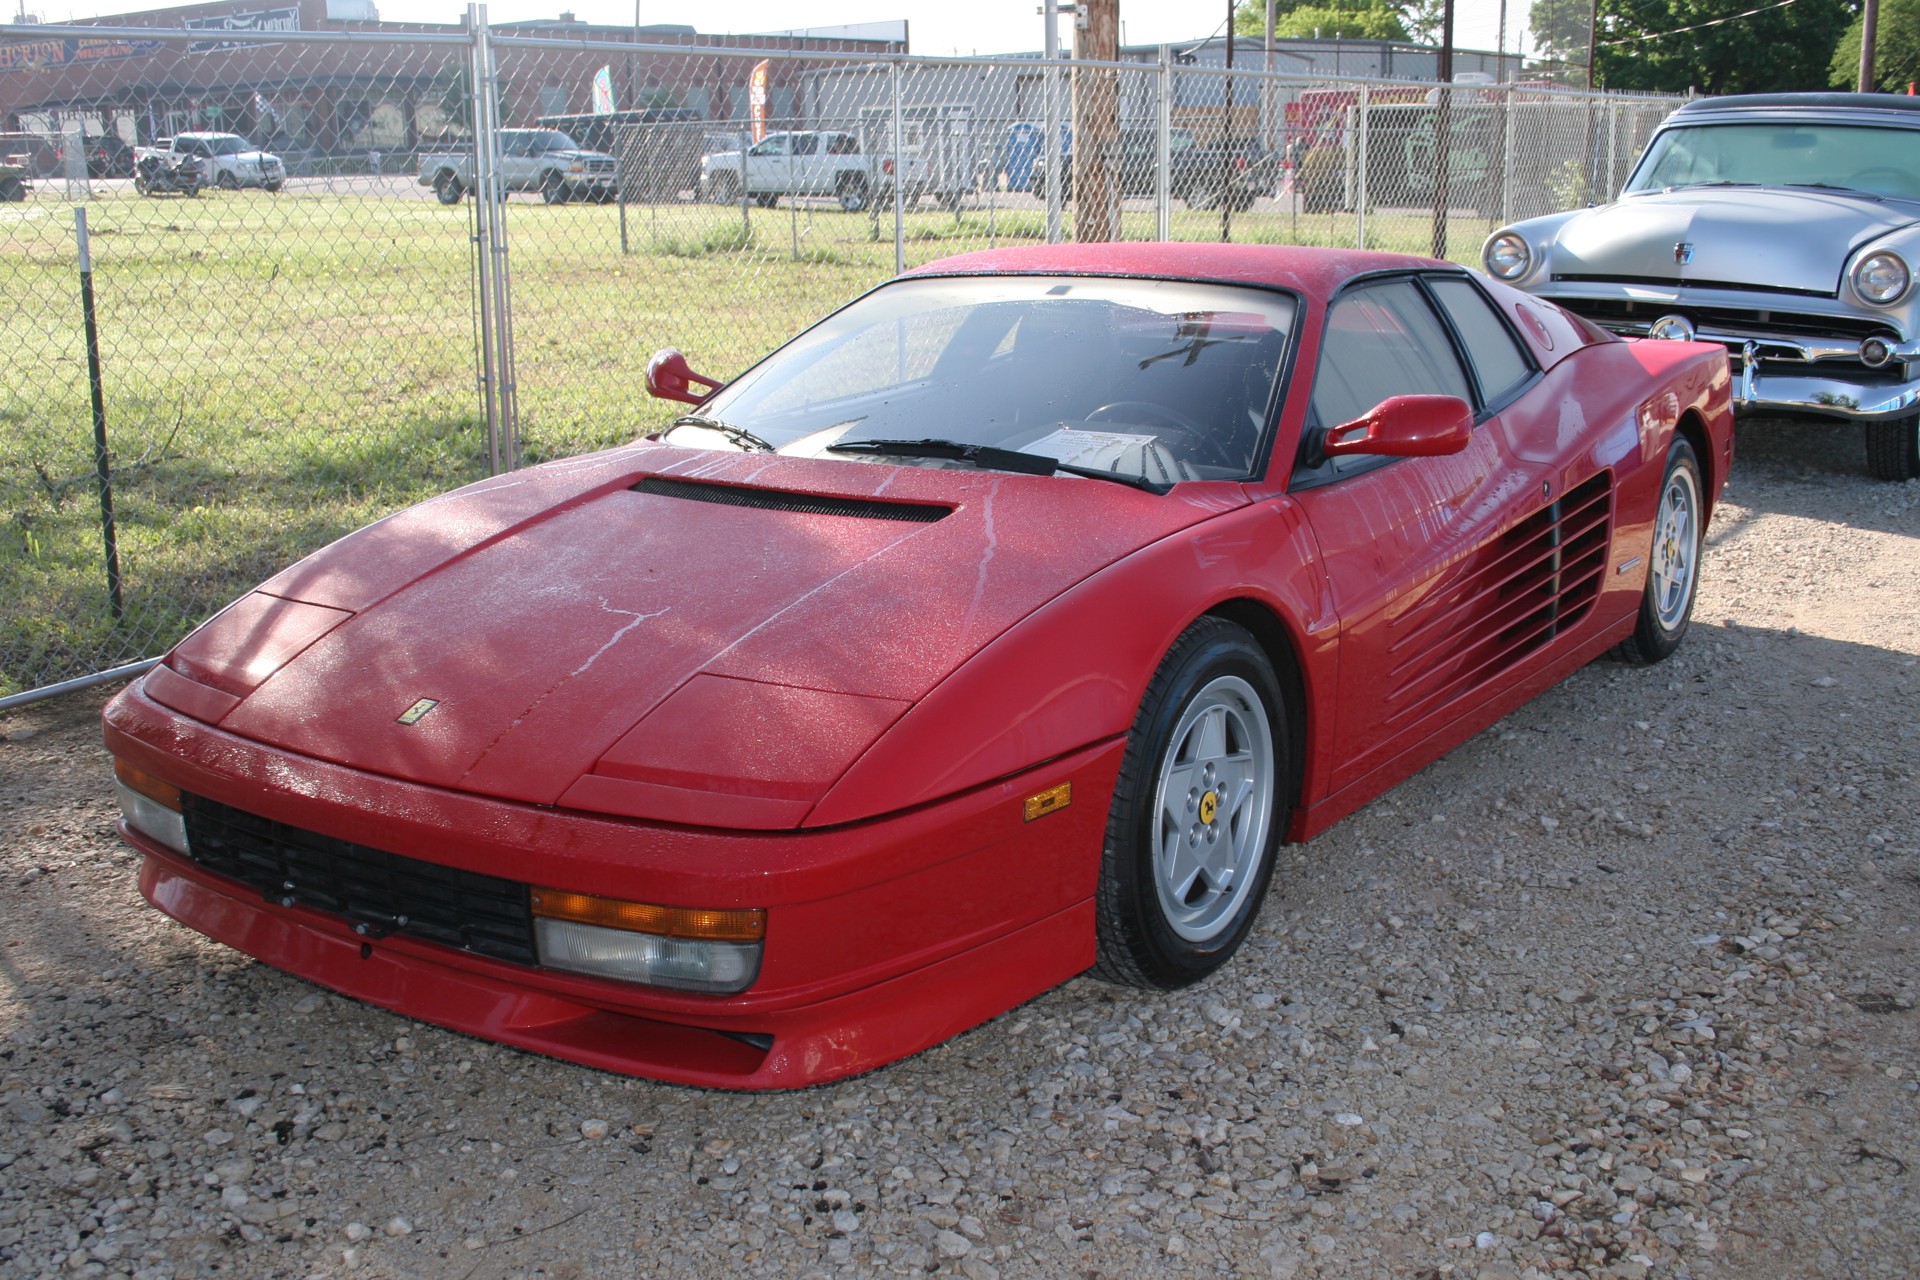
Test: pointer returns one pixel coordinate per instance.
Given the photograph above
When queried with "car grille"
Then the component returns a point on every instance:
(382, 892)
(600, 167)
(1510, 597)
(1623, 316)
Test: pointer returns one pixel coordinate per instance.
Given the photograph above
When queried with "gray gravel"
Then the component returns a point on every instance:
(1623, 987)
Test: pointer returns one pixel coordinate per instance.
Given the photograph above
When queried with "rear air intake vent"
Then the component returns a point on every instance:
(805, 503)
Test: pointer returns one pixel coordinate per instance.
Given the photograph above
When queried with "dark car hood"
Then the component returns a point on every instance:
(549, 610)
(1774, 237)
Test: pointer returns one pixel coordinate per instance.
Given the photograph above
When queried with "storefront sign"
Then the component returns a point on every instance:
(287, 19)
(33, 55)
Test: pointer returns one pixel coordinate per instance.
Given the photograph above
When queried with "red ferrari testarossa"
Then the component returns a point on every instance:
(997, 627)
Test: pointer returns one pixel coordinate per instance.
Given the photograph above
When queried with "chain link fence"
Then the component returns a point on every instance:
(333, 273)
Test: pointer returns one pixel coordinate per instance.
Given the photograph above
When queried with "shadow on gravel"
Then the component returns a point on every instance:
(1818, 473)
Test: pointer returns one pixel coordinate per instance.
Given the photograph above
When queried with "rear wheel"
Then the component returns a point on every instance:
(724, 188)
(767, 199)
(448, 189)
(1893, 449)
(1197, 813)
(852, 192)
(1673, 570)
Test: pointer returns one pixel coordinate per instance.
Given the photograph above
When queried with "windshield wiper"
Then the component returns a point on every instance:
(748, 441)
(1829, 186)
(995, 459)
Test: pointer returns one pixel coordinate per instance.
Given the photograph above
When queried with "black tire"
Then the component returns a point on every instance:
(852, 192)
(1893, 449)
(226, 181)
(724, 188)
(140, 185)
(553, 188)
(448, 189)
(1160, 924)
(272, 188)
(13, 190)
(767, 199)
(1673, 562)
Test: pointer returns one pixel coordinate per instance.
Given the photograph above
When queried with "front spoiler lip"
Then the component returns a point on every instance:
(813, 1044)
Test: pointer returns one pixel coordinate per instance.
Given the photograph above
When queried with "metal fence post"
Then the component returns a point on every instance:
(1163, 146)
(899, 172)
(102, 475)
(1506, 161)
(1360, 183)
(478, 76)
(495, 197)
(1055, 172)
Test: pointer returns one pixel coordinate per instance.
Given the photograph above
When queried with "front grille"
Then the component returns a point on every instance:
(383, 891)
(1759, 322)
(1514, 594)
(780, 500)
(600, 166)
(1674, 282)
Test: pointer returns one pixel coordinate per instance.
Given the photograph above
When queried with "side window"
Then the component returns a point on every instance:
(1381, 341)
(776, 145)
(804, 143)
(1497, 358)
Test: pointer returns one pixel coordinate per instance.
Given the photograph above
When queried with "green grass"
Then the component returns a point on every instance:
(280, 370)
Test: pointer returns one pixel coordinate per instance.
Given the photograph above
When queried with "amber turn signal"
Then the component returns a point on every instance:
(716, 925)
(143, 783)
(1049, 801)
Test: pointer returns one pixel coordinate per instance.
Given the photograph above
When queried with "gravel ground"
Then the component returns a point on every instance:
(1623, 987)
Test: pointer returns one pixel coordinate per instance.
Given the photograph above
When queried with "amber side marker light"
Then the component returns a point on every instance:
(150, 805)
(714, 950)
(1052, 800)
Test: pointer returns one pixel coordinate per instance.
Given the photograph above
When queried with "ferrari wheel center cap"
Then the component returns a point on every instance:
(1209, 807)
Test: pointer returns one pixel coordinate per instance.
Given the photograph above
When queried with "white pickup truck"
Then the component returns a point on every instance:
(226, 160)
(543, 160)
(805, 163)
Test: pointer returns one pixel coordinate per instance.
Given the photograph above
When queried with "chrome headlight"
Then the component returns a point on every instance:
(1507, 256)
(1882, 278)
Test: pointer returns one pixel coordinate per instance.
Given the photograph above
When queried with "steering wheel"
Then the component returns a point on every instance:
(1193, 442)
(1901, 180)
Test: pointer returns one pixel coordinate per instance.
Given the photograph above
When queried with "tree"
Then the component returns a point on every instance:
(1332, 20)
(1671, 46)
(1896, 49)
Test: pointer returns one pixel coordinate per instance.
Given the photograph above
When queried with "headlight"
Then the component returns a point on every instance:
(715, 951)
(1507, 256)
(1882, 279)
(150, 806)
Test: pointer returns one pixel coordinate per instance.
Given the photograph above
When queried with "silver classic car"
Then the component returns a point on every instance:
(1786, 226)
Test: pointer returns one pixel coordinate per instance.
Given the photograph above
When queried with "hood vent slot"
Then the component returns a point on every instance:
(1513, 595)
(779, 500)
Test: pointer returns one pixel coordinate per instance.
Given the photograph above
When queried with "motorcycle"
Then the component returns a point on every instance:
(163, 175)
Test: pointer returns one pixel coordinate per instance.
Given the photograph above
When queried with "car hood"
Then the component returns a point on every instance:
(580, 153)
(779, 613)
(1756, 236)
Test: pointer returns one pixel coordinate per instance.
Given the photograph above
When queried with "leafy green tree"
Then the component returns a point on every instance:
(1671, 46)
(1896, 49)
(1333, 20)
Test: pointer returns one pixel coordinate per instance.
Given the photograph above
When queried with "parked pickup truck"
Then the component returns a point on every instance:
(543, 160)
(804, 163)
(1198, 174)
(226, 159)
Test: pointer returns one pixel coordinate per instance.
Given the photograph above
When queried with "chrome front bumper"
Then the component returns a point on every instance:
(1760, 392)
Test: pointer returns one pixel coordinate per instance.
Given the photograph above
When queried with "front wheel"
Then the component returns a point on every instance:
(1197, 813)
(553, 189)
(226, 181)
(1673, 571)
(1893, 449)
(273, 188)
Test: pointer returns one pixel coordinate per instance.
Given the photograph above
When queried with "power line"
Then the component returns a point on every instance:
(1698, 26)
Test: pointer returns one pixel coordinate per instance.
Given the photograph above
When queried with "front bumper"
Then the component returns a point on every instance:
(1760, 392)
(883, 938)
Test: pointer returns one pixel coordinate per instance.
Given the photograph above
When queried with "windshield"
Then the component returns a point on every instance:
(1157, 380)
(1880, 161)
(227, 144)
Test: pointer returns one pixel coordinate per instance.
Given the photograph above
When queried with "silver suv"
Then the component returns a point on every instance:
(1784, 226)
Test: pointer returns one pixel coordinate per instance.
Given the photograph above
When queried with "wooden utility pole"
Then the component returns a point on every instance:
(1096, 122)
(1869, 25)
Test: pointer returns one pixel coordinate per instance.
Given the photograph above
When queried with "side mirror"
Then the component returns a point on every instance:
(669, 378)
(1405, 427)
